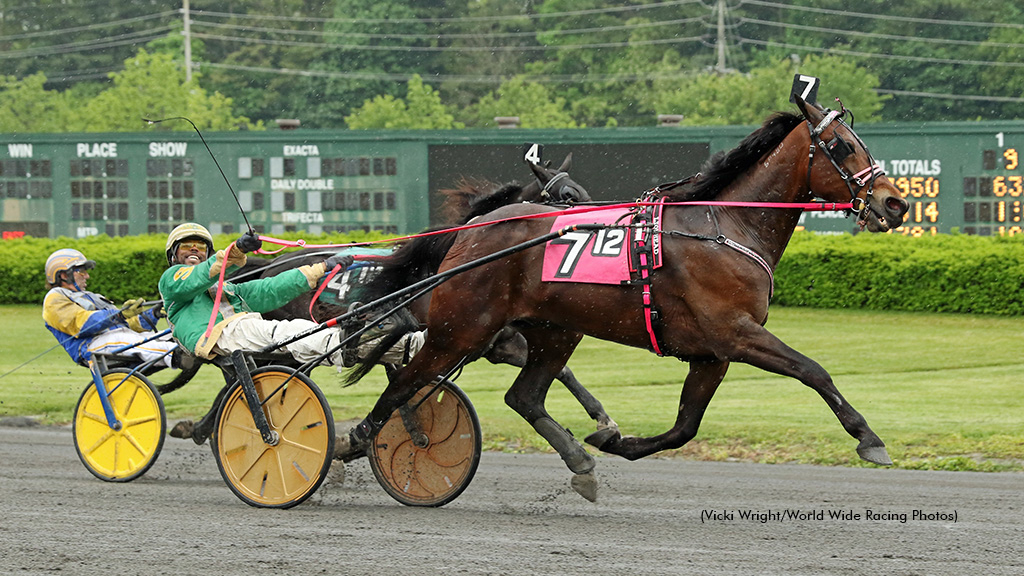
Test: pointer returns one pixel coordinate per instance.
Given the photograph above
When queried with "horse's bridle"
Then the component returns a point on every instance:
(836, 150)
(566, 192)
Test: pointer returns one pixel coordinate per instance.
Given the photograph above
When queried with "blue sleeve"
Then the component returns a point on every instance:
(148, 319)
(100, 321)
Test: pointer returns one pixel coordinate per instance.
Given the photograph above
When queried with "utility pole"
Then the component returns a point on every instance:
(721, 37)
(188, 41)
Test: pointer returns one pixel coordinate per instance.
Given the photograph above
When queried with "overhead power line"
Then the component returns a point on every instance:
(883, 56)
(460, 19)
(951, 96)
(442, 36)
(406, 48)
(315, 33)
(836, 31)
(889, 17)
(465, 78)
(139, 37)
(99, 26)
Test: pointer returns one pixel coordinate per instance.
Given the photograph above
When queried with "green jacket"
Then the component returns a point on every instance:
(188, 293)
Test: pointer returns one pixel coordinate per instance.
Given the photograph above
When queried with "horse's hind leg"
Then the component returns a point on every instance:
(439, 355)
(510, 348)
(700, 385)
(549, 349)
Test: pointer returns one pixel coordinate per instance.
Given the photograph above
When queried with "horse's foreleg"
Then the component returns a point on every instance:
(700, 385)
(548, 352)
(764, 350)
(510, 347)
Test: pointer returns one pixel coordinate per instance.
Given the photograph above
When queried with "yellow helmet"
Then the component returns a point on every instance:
(184, 231)
(62, 260)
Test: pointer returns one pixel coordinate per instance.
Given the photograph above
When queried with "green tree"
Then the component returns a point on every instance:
(421, 110)
(916, 49)
(153, 86)
(74, 42)
(373, 42)
(26, 106)
(745, 98)
(488, 39)
(609, 59)
(259, 63)
(531, 102)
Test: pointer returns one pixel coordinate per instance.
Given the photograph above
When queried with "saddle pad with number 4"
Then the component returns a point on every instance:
(589, 256)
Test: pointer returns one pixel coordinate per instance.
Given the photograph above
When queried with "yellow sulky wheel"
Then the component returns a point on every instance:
(278, 475)
(120, 455)
(427, 457)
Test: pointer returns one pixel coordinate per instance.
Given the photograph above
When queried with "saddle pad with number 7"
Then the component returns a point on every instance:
(589, 256)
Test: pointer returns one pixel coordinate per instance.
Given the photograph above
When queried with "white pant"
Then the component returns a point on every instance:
(253, 332)
(119, 337)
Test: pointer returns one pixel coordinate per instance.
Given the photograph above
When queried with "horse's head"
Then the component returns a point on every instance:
(557, 185)
(844, 170)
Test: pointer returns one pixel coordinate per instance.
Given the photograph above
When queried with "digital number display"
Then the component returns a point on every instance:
(921, 192)
(1010, 156)
(994, 203)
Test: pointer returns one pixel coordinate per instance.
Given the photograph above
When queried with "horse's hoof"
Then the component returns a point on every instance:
(585, 485)
(335, 475)
(601, 438)
(345, 450)
(182, 429)
(875, 454)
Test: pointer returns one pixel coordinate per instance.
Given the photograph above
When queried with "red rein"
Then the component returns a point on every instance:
(806, 206)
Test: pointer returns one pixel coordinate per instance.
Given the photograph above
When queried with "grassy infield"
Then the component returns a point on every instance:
(943, 391)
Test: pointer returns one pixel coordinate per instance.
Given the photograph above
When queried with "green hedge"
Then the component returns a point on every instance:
(946, 273)
(127, 267)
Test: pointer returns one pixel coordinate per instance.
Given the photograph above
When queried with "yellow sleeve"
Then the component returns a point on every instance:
(63, 314)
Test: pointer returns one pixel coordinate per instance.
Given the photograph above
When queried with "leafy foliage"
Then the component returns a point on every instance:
(946, 273)
(150, 86)
(153, 86)
(600, 63)
(421, 110)
(531, 102)
(26, 106)
(710, 98)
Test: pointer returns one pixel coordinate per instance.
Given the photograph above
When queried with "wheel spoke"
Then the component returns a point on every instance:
(98, 443)
(130, 438)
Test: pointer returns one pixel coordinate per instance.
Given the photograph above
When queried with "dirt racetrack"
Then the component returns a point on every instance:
(517, 517)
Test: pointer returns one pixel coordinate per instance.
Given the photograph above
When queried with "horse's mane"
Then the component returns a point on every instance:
(472, 197)
(724, 167)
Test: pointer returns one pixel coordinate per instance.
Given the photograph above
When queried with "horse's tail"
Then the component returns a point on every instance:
(180, 380)
(413, 261)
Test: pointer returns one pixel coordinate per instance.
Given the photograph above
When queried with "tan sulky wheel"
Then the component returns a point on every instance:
(434, 464)
(284, 474)
(125, 454)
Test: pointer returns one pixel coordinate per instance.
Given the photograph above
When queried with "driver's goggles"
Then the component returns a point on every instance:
(200, 246)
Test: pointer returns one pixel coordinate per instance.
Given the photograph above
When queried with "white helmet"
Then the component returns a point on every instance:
(63, 260)
(183, 232)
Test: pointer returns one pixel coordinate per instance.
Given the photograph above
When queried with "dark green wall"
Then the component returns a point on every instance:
(956, 175)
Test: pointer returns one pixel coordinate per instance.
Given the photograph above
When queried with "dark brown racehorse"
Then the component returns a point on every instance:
(713, 298)
(469, 199)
